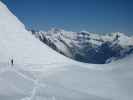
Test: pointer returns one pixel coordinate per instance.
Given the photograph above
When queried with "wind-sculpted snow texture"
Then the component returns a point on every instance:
(39, 73)
(88, 47)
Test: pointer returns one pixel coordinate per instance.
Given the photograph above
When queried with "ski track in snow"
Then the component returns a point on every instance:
(35, 81)
(31, 68)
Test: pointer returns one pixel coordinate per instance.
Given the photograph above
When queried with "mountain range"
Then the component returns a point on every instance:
(87, 47)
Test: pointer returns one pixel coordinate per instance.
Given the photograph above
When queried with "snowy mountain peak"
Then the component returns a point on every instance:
(55, 30)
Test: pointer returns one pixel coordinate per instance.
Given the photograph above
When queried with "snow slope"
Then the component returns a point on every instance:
(17, 43)
(68, 82)
(39, 75)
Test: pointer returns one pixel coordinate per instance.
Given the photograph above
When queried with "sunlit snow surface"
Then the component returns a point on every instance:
(40, 73)
(67, 82)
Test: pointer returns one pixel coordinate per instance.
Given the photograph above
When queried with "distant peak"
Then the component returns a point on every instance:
(56, 30)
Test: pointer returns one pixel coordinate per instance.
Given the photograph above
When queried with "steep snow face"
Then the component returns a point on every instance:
(88, 47)
(18, 44)
(7, 18)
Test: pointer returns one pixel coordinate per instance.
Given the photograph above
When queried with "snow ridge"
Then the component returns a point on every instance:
(18, 44)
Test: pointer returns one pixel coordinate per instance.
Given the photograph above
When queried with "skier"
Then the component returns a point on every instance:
(12, 63)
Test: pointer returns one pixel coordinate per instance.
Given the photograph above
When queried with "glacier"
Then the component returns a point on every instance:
(40, 73)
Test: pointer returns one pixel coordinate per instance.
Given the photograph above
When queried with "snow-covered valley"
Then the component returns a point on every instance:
(40, 73)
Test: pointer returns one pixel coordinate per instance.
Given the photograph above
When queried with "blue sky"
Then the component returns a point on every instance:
(76, 15)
